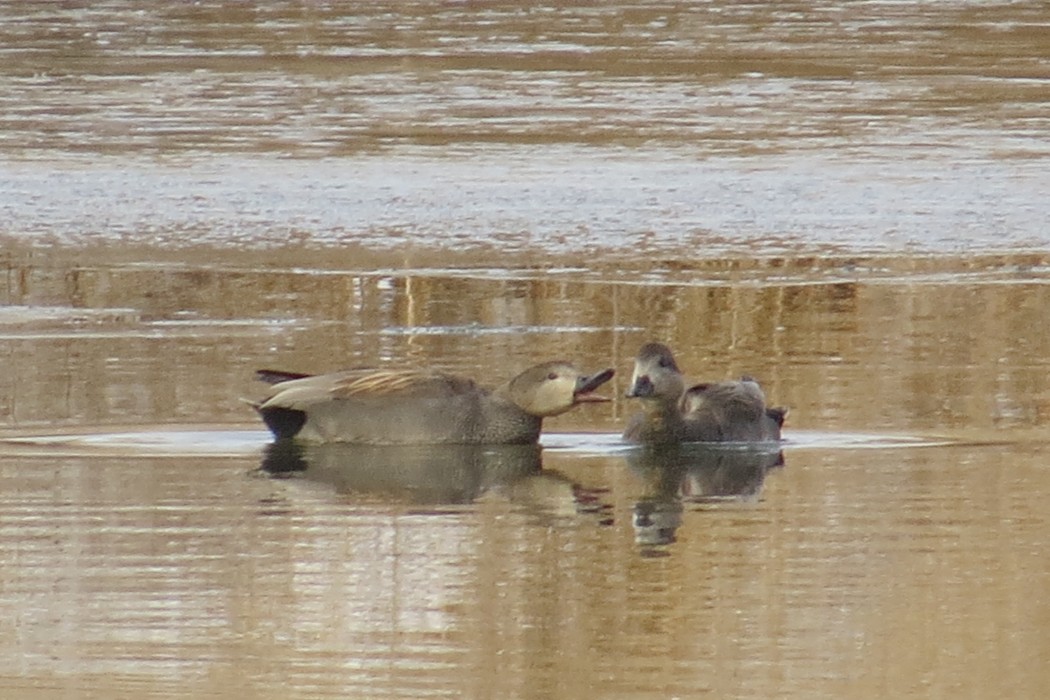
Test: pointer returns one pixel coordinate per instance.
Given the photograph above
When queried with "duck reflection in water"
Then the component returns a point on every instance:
(679, 474)
(435, 475)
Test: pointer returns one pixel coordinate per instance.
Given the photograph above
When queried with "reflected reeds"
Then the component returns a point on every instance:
(917, 352)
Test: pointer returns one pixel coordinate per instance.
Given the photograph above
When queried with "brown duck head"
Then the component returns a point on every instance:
(656, 375)
(552, 388)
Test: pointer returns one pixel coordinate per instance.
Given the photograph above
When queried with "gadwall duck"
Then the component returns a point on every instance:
(733, 411)
(419, 407)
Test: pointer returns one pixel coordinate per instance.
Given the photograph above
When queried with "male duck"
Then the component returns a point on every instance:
(419, 407)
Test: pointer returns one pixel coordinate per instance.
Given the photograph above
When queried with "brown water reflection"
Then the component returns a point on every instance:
(856, 569)
(957, 354)
(878, 574)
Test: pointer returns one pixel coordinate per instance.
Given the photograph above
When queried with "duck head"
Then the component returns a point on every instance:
(555, 387)
(656, 374)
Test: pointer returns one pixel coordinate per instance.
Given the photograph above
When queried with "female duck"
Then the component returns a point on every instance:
(733, 411)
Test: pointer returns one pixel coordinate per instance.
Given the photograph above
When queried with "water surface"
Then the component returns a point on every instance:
(711, 127)
(846, 201)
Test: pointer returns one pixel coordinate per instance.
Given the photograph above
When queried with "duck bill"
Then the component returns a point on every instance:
(587, 384)
(642, 388)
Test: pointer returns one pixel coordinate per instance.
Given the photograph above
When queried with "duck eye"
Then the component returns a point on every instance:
(552, 376)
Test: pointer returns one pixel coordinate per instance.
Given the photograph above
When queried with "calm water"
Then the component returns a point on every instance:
(845, 200)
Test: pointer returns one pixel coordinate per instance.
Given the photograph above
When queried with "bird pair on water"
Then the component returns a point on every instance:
(430, 407)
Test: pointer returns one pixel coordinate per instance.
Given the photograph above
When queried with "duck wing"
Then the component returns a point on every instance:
(365, 384)
(729, 401)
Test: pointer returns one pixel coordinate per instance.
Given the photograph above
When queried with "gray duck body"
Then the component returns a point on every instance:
(412, 407)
